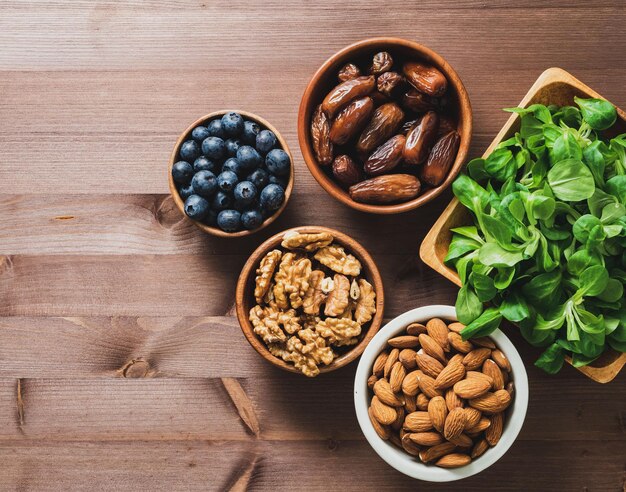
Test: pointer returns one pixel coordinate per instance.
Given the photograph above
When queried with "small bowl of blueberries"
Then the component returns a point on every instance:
(231, 173)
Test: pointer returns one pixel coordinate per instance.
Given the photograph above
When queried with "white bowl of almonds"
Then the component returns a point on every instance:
(437, 407)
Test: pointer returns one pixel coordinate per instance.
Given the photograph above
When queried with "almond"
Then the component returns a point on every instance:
(491, 369)
(438, 411)
(417, 422)
(397, 424)
(421, 402)
(410, 384)
(382, 430)
(410, 404)
(455, 423)
(407, 357)
(404, 341)
(453, 400)
(426, 438)
(415, 329)
(392, 358)
(385, 414)
(382, 389)
(432, 348)
(379, 364)
(483, 342)
(436, 452)
(479, 448)
(472, 417)
(475, 358)
(462, 441)
(429, 365)
(482, 424)
(427, 385)
(371, 381)
(409, 446)
(501, 360)
(453, 460)
(456, 359)
(456, 327)
(472, 388)
(438, 331)
(450, 375)
(491, 403)
(494, 431)
(478, 375)
(396, 376)
(458, 343)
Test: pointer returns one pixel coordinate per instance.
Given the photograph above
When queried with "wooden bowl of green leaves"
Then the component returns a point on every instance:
(537, 232)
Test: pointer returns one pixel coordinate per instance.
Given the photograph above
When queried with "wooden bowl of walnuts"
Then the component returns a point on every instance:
(385, 125)
(309, 300)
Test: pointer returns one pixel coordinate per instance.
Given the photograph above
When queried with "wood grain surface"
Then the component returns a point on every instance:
(121, 364)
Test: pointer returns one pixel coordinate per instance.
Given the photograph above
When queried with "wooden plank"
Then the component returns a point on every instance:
(169, 285)
(262, 465)
(210, 409)
(112, 132)
(151, 224)
(111, 35)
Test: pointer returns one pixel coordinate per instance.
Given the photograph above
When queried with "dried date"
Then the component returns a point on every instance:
(420, 139)
(348, 72)
(386, 157)
(386, 189)
(382, 62)
(440, 159)
(425, 78)
(351, 120)
(384, 123)
(346, 171)
(446, 125)
(346, 92)
(389, 83)
(320, 136)
(419, 102)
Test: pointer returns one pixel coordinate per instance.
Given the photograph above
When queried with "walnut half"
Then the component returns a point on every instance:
(314, 296)
(264, 274)
(336, 258)
(267, 323)
(366, 303)
(306, 241)
(339, 297)
(306, 351)
(339, 331)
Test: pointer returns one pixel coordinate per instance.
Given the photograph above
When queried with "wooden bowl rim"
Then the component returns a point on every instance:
(180, 204)
(465, 115)
(249, 270)
(599, 374)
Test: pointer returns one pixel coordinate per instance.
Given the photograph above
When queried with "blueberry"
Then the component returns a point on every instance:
(245, 192)
(233, 165)
(204, 183)
(229, 220)
(182, 172)
(250, 131)
(232, 145)
(232, 123)
(196, 207)
(278, 162)
(227, 180)
(215, 128)
(189, 150)
(265, 141)
(251, 219)
(199, 133)
(221, 201)
(203, 164)
(259, 178)
(213, 148)
(282, 182)
(211, 218)
(185, 191)
(272, 197)
(249, 157)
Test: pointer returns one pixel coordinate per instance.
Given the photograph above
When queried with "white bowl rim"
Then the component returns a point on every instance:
(402, 461)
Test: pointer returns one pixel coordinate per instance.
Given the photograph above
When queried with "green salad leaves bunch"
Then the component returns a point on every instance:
(548, 248)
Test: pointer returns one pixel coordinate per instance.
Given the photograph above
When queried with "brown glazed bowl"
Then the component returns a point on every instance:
(244, 297)
(180, 203)
(326, 78)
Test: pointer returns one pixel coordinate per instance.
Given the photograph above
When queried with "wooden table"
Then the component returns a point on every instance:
(121, 364)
